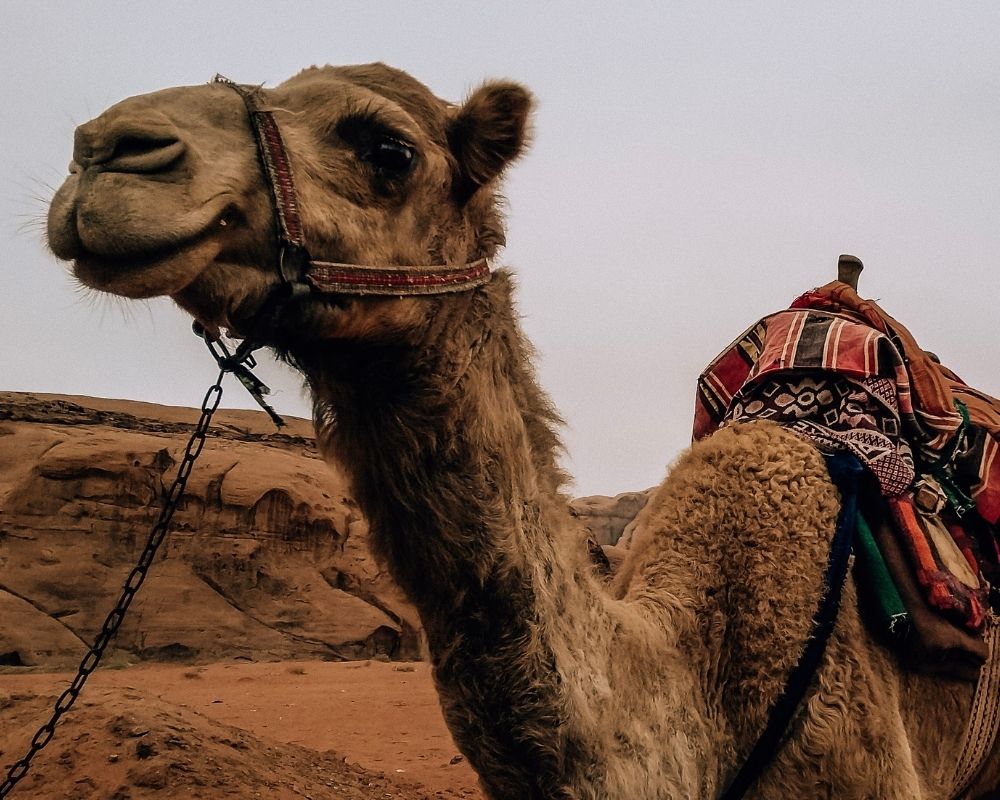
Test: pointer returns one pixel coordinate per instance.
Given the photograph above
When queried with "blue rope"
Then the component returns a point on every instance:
(844, 470)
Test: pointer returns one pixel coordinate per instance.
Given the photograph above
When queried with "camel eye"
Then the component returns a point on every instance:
(391, 157)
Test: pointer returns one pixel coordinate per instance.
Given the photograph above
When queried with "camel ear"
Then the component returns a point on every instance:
(489, 132)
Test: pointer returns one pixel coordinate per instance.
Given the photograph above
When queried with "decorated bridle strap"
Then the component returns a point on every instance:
(294, 264)
(402, 280)
(271, 147)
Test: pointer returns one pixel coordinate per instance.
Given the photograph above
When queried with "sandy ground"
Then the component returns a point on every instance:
(307, 729)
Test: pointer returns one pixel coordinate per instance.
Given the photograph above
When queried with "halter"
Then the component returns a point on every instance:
(300, 274)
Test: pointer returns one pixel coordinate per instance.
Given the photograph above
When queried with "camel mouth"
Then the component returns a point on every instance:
(163, 270)
(136, 238)
(140, 263)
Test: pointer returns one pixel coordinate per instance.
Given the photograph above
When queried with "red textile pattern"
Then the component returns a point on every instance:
(832, 328)
(943, 591)
(838, 414)
(331, 277)
(779, 368)
(280, 172)
(934, 404)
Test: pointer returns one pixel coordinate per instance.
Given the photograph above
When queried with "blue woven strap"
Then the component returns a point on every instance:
(844, 470)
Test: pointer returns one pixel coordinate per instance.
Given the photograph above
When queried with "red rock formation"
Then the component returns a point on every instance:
(267, 557)
(606, 518)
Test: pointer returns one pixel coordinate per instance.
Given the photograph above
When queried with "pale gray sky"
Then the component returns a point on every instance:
(696, 166)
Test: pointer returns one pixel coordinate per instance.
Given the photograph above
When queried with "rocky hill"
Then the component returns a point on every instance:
(267, 557)
(606, 519)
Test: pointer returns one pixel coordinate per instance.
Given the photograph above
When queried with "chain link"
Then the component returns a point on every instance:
(132, 583)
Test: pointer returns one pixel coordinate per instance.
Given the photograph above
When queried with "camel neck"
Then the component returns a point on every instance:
(451, 449)
(449, 443)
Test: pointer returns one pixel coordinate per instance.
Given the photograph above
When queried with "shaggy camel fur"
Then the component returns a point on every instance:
(553, 686)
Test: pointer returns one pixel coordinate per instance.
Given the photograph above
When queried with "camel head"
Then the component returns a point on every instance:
(167, 196)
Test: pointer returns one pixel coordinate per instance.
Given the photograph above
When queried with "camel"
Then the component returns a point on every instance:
(553, 684)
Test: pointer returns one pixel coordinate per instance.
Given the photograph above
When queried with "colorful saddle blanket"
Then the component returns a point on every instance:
(837, 369)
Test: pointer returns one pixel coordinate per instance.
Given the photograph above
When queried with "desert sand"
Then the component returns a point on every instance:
(285, 729)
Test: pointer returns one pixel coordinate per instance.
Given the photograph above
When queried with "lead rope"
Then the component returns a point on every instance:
(845, 471)
(239, 363)
(984, 718)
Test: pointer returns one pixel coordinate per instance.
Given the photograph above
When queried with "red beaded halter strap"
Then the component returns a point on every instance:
(300, 271)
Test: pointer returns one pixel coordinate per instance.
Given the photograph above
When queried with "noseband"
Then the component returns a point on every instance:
(300, 274)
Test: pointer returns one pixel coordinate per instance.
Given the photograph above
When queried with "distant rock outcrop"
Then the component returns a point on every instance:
(606, 518)
(267, 557)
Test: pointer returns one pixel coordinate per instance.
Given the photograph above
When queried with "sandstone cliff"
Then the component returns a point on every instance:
(607, 518)
(267, 557)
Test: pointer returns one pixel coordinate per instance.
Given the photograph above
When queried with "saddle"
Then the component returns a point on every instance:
(838, 370)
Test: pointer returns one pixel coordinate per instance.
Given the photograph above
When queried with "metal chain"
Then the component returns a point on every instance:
(138, 574)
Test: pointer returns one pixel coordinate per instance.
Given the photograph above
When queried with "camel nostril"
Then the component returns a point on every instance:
(143, 154)
(126, 145)
(130, 146)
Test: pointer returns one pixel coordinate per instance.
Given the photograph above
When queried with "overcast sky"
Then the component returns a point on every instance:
(696, 165)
